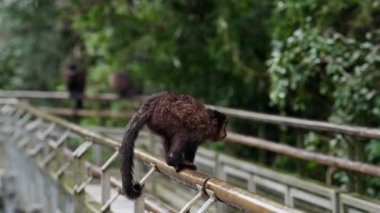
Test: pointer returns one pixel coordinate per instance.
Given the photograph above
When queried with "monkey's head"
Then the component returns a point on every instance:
(71, 70)
(220, 121)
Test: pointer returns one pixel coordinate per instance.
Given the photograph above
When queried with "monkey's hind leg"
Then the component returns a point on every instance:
(177, 152)
(166, 145)
(190, 155)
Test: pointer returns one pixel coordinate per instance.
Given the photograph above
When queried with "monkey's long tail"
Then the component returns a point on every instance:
(131, 188)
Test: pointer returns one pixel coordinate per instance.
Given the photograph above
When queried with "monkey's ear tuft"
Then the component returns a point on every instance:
(220, 117)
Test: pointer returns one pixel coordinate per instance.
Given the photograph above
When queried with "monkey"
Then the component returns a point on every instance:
(75, 80)
(123, 85)
(182, 121)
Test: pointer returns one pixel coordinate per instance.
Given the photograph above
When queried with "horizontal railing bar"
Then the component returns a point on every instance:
(106, 141)
(275, 147)
(301, 123)
(254, 116)
(225, 192)
(88, 113)
(305, 155)
(52, 95)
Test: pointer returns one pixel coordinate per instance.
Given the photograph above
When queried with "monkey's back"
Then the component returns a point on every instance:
(75, 82)
(175, 113)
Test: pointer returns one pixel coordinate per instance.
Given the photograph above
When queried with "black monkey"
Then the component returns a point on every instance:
(75, 80)
(182, 121)
(123, 85)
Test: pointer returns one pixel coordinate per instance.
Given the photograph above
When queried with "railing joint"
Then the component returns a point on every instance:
(47, 159)
(79, 152)
(212, 199)
(81, 187)
(61, 170)
(107, 205)
(148, 174)
(35, 150)
(109, 161)
(43, 135)
(193, 201)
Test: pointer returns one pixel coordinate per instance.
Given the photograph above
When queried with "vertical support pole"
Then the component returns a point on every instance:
(139, 204)
(97, 153)
(9, 192)
(106, 180)
(300, 144)
(351, 156)
(218, 172)
(262, 153)
(79, 176)
(360, 178)
(106, 186)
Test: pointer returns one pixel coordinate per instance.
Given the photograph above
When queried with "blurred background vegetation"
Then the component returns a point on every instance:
(313, 58)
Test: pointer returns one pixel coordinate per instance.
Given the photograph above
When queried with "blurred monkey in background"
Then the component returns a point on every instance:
(75, 76)
(75, 80)
(123, 85)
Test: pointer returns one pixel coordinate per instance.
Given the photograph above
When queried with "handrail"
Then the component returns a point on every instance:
(299, 153)
(58, 95)
(88, 112)
(223, 191)
(306, 155)
(244, 114)
(301, 123)
(22, 94)
(96, 172)
(296, 152)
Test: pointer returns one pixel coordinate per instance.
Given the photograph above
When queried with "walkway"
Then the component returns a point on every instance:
(120, 205)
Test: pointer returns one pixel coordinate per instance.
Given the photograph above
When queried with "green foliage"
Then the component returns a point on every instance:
(209, 46)
(344, 72)
(372, 151)
(324, 64)
(313, 58)
(34, 43)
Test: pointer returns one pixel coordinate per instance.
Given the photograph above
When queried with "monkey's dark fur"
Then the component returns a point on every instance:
(75, 80)
(182, 121)
(123, 85)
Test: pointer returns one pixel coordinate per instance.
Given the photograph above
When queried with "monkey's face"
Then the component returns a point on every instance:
(71, 71)
(221, 125)
(223, 130)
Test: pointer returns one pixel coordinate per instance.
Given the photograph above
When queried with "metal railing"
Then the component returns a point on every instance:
(244, 114)
(353, 136)
(295, 192)
(52, 132)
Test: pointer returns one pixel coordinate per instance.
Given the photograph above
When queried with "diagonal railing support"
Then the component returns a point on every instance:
(105, 182)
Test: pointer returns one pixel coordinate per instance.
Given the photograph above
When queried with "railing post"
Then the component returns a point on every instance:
(106, 183)
(351, 155)
(139, 205)
(9, 192)
(360, 156)
(218, 172)
(262, 153)
(97, 153)
(300, 144)
(79, 176)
